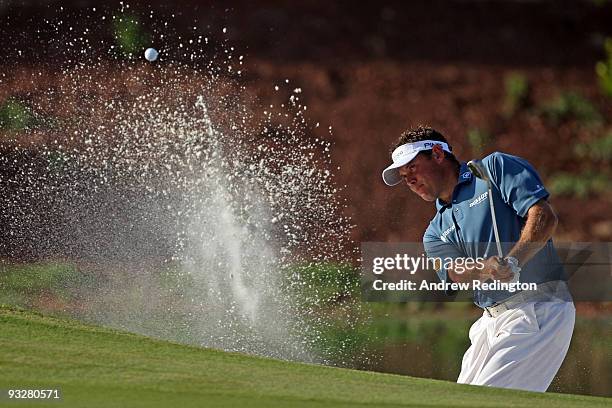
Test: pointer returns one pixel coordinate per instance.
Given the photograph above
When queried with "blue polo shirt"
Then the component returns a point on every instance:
(463, 227)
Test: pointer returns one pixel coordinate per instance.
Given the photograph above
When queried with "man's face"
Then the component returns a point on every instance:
(423, 175)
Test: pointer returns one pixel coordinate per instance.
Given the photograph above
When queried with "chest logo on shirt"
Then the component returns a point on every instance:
(480, 199)
(446, 232)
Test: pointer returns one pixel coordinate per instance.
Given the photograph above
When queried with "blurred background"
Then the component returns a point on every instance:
(530, 78)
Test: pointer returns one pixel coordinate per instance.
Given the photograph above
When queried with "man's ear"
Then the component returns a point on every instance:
(437, 153)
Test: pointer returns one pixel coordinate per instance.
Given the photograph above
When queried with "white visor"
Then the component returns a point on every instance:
(404, 154)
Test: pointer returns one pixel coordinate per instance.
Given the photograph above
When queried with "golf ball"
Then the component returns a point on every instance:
(151, 54)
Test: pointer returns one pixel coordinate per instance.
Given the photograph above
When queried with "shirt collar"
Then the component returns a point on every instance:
(465, 176)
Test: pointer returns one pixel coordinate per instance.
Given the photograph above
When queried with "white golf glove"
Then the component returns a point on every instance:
(514, 266)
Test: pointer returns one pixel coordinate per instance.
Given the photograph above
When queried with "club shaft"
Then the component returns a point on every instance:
(495, 231)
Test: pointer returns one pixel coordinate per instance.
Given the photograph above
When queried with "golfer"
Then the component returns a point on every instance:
(522, 337)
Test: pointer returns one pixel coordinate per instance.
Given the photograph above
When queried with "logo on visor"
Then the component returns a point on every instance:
(430, 145)
(401, 152)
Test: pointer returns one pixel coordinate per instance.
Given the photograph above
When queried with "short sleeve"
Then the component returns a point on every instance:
(436, 248)
(518, 182)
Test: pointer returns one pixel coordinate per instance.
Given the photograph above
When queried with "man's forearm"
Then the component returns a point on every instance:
(539, 227)
(467, 274)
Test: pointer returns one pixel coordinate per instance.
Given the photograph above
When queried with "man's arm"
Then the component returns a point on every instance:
(492, 268)
(540, 224)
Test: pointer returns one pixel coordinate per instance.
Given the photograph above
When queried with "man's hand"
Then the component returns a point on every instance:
(496, 269)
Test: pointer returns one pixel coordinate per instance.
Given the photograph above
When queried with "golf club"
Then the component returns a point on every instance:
(478, 170)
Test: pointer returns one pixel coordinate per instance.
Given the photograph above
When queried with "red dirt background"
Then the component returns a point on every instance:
(372, 69)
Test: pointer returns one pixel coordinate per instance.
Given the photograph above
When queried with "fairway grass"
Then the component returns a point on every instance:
(100, 367)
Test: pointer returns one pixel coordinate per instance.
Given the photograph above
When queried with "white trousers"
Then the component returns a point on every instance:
(521, 348)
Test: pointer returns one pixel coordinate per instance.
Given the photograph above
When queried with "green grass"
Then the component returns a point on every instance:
(571, 105)
(20, 284)
(96, 366)
(579, 185)
(478, 139)
(16, 116)
(517, 93)
(130, 35)
(604, 69)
